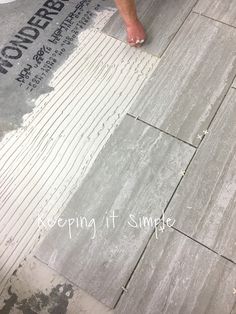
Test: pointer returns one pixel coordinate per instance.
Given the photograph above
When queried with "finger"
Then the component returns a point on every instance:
(131, 41)
(138, 43)
(135, 42)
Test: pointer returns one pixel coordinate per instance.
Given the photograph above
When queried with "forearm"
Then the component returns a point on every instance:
(127, 10)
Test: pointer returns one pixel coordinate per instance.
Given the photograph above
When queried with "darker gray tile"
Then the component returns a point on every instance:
(161, 19)
(178, 276)
(224, 11)
(204, 204)
(136, 173)
(191, 79)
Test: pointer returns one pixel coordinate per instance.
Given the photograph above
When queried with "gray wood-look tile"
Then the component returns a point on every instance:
(224, 11)
(136, 173)
(179, 276)
(161, 19)
(204, 205)
(191, 79)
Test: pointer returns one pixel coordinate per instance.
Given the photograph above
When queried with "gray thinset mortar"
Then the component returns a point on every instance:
(62, 100)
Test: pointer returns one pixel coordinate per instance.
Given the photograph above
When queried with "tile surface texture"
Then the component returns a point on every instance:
(37, 289)
(224, 11)
(60, 102)
(204, 204)
(136, 173)
(177, 275)
(44, 161)
(161, 19)
(191, 79)
(234, 84)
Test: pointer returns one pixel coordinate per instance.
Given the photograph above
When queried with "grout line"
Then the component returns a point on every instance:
(205, 246)
(177, 230)
(134, 269)
(70, 281)
(219, 106)
(172, 196)
(228, 259)
(196, 149)
(151, 235)
(179, 180)
(153, 126)
(38, 259)
(213, 19)
(177, 32)
(142, 48)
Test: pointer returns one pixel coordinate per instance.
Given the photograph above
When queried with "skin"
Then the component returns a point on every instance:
(134, 28)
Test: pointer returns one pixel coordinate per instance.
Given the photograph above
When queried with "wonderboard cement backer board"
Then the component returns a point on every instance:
(14, 16)
(136, 173)
(33, 45)
(43, 162)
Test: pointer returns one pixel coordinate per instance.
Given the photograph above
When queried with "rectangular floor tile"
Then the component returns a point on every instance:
(161, 20)
(178, 276)
(224, 11)
(135, 174)
(204, 203)
(191, 79)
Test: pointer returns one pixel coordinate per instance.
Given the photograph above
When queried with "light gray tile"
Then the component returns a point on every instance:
(224, 11)
(234, 84)
(161, 20)
(136, 173)
(191, 79)
(178, 276)
(204, 203)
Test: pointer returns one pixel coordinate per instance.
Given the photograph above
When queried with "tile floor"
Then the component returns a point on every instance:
(150, 227)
